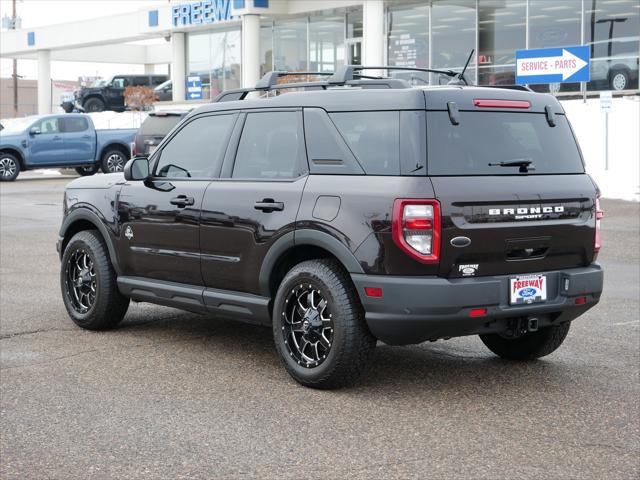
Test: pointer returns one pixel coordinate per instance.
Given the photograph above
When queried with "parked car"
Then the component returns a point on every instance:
(154, 128)
(343, 216)
(62, 141)
(164, 91)
(109, 95)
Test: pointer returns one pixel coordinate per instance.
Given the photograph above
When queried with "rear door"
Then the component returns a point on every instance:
(114, 92)
(79, 139)
(159, 230)
(255, 201)
(509, 219)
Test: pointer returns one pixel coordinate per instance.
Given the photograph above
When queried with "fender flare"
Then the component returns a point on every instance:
(302, 237)
(93, 218)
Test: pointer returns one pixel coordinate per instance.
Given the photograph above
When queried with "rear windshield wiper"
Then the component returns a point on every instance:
(523, 163)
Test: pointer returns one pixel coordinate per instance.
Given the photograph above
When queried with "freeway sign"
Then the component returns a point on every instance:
(552, 65)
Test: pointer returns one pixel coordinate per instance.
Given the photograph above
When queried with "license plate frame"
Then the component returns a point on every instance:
(527, 289)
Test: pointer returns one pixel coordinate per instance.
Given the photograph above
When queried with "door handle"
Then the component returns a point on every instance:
(86, 136)
(269, 205)
(182, 201)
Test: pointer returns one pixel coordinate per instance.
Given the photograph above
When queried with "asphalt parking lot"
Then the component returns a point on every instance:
(178, 395)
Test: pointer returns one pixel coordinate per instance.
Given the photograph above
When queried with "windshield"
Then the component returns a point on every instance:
(17, 125)
(100, 82)
(485, 140)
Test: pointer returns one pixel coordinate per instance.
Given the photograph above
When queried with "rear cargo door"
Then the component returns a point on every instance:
(513, 192)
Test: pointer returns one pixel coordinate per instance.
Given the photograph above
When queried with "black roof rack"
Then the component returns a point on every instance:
(348, 75)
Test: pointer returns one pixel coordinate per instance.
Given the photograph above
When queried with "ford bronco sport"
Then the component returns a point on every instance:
(353, 210)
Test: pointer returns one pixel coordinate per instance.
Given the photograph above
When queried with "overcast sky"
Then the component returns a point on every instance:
(36, 13)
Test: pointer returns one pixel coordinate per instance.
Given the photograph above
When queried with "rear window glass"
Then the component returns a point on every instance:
(374, 139)
(159, 125)
(482, 138)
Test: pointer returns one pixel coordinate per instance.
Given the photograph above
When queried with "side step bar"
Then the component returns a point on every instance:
(241, 306)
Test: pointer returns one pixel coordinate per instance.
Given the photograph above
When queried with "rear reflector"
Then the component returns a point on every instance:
(477, 312)
(375, 292)
(598, 238)
(488, 103)
(580, 300)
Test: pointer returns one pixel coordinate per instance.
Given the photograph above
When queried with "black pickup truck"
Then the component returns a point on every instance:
(359, 209)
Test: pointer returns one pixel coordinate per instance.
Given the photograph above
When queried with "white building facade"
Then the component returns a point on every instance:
(231, 43)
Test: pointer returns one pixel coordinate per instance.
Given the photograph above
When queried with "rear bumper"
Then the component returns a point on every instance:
(415, 309)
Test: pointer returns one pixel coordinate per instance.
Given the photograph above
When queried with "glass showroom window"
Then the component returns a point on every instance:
(453, 35)
(554, 24)
(611, 29)
(266, 48)
(290, 45)
(408, 40)
(326, 41)
(501, 31)
(216, 58)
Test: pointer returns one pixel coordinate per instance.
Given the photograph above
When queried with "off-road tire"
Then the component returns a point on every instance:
(87, 171)
(109, 306)
(530, 346)
(93, 105)
(352, 343)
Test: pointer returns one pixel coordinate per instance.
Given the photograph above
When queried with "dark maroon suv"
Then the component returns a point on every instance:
(353, 210)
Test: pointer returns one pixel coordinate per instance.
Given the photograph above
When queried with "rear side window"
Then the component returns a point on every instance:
(75, 124)
(196, 151)
(269, 147)
(374, 139)
(159, 126)
(484, 138)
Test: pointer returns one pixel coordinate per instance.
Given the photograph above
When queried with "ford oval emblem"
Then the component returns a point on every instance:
(527, 292)
(460, 242)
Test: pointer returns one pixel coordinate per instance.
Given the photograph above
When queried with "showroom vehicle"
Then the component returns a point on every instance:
(69, 141)
(359, 209)
(153, 129)
(109, 95)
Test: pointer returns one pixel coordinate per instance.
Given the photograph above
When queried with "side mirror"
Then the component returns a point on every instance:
(34, 131)
(136, 169)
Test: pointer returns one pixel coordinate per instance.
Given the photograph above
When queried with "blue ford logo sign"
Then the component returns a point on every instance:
(527, 292)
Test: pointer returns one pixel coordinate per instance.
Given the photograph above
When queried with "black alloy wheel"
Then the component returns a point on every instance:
(307, 326)
(81, 284)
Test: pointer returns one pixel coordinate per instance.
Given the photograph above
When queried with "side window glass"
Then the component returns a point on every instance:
(196, 151)
(374, 138)
(140, 81)
(119, 82)
(48, 125)
(269, 147)
(75, 124)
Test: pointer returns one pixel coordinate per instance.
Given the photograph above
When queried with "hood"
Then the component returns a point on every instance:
(97, 181)
(11, 138)
(86, 90)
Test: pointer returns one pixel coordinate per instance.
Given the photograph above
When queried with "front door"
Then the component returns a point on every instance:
(47, 146)
(255, 201)
(114, 93)
(79, 140)
(159, 218)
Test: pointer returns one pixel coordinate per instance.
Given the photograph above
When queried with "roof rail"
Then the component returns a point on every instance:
(269, 82)
(348, 72)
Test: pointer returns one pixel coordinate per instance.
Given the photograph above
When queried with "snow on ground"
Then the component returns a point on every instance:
(622, 179)
(109, 120)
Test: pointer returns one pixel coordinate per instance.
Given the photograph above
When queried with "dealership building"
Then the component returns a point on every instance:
(231, 43)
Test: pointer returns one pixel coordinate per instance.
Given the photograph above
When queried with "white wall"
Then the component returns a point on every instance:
(622, 179)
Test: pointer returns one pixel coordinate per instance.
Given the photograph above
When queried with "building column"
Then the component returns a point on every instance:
(149, 68)
(44, 81)
(178, 66)
(373, 32)
(250, 50)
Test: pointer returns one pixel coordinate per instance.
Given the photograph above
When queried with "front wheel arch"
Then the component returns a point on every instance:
(80, 220)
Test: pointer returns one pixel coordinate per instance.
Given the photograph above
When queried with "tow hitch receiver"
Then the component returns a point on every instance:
(517, 327)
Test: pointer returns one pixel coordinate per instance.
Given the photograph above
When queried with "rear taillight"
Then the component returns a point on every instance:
(491, 103)
(599, 214)
(133, 147)
(416, 228)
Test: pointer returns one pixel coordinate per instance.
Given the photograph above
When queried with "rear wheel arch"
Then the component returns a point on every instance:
(80, 220)
(296, 247)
